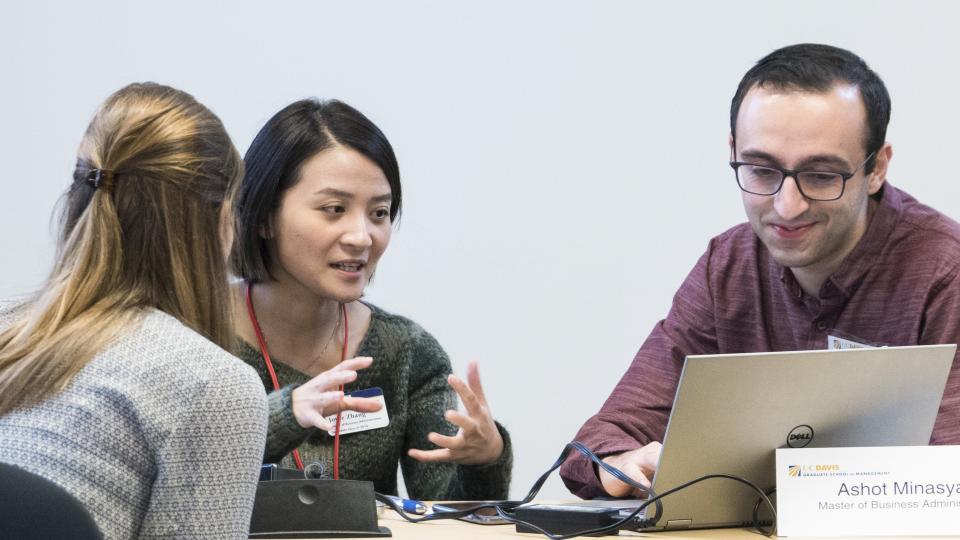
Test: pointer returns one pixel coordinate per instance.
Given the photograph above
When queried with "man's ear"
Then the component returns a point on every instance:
(881, 163)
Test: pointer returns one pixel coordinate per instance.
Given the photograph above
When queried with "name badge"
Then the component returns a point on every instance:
(353, 422)
(837, 342)
(873, 491)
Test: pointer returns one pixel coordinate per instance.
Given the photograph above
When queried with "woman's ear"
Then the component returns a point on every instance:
(226, 230)
(266, 230)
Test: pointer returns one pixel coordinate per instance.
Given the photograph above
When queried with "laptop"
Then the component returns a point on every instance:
(732, 411)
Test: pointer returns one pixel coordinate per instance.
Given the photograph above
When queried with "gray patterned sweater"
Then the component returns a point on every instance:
(411, 368)
(160, 436)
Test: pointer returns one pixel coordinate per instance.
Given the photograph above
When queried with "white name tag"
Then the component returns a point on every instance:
(353, 422)
(836, 342)
(879, 491)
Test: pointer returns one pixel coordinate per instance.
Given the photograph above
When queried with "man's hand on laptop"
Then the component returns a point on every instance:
(638, 464)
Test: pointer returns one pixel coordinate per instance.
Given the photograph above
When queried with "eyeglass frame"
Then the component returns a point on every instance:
(784, 173)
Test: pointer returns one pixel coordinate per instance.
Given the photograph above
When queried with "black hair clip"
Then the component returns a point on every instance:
(99, 177)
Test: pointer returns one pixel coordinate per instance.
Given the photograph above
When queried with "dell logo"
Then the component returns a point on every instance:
(800, 436)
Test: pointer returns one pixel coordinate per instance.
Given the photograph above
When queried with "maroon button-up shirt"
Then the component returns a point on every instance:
(899, 286)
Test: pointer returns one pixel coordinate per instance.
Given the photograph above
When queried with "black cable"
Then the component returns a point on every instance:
(510, 505)
(656, 500)
(756, 509)
(505, 509)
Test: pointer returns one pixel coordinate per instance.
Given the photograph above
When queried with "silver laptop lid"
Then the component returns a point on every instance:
(732, 411)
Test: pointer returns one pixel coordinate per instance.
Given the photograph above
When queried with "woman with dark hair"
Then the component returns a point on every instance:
(314, 214)
(114, 381)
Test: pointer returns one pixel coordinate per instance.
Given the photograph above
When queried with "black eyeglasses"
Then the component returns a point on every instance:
(814, 185)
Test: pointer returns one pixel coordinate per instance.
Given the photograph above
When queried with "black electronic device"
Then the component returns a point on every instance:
(565, 519)
(272, 471)
(312, 508)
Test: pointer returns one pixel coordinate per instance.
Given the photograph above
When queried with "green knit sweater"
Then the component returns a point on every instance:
(411, 368)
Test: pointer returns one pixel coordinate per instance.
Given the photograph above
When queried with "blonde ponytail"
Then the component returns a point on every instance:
(148, 237)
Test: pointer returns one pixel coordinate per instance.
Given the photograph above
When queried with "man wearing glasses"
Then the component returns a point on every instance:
(833, 255)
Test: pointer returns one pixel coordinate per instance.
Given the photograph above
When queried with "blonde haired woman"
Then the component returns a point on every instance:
(114, 381)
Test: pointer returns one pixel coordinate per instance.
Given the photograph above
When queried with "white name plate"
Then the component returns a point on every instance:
(878, 491)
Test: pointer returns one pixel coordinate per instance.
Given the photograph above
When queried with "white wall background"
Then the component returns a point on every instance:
(564, 163)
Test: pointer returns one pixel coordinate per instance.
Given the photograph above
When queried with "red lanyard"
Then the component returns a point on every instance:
(276, 383)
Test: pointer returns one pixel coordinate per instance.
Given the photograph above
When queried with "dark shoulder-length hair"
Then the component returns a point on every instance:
(298, 132)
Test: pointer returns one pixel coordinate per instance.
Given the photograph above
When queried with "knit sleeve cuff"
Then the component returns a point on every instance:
(490, 481)
(283, 433)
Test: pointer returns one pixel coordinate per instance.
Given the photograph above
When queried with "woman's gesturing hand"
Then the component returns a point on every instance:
(320, 397)
(478, 440)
